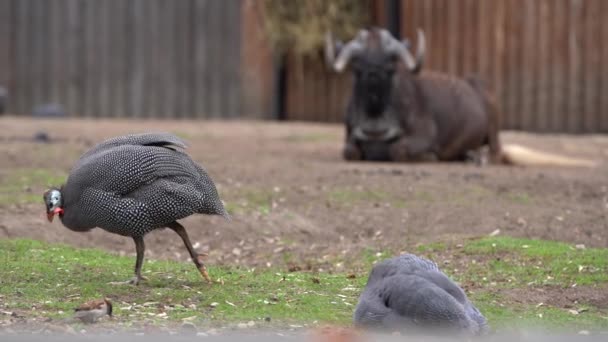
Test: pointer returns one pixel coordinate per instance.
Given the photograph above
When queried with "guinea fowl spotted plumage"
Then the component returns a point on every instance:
(410, 292)
(133, 184)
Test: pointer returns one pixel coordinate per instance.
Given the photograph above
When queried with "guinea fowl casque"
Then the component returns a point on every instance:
(411, 293)
(133, 184)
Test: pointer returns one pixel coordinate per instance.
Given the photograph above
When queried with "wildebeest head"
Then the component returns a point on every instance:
(374, 55)
(373, 48)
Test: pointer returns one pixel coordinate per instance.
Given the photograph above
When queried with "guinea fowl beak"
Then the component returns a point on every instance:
(51, 215)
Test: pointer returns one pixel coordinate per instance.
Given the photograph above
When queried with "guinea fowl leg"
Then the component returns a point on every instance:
(181, 231)
(140, 248)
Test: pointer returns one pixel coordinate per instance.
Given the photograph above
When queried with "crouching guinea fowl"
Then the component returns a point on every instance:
(133, 184)
(409, 293)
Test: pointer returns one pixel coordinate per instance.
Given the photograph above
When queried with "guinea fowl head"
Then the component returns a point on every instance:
(53, 202)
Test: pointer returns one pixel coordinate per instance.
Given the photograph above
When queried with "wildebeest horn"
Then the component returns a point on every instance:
(413, 65)
(348, 51)
(331, 48)
(401, 49)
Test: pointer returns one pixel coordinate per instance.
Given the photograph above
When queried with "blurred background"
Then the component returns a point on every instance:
(546, 59)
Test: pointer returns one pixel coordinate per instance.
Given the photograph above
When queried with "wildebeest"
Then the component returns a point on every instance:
(397, 112)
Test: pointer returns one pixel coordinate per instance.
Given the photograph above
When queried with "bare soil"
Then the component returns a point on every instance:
(295, 201)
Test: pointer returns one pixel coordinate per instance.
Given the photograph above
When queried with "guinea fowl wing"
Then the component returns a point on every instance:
(409, 301)
(118, 186)
(143, 139)
(404, 264)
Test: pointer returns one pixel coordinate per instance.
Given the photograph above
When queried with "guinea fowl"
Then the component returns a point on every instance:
(133, 184)
(410, 292)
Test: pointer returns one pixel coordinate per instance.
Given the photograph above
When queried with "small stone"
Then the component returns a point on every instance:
(250, 324)
(188, 328)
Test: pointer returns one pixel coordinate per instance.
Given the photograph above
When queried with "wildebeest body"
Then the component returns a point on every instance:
(398, 113)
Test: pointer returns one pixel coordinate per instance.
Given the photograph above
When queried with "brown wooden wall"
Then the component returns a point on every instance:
(123, 58)
(547, 60)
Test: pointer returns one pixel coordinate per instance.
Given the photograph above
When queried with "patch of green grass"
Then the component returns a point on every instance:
(520, 262)
(432, 247)
(507, 316)
(55, 278)
(248, 200)
(21, 185)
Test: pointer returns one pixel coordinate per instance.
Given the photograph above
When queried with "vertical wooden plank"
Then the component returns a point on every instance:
(514, 54)
(209, 86)
(38, 49)
(151, 96)
(185, 58)
(74, 58)
(591, 64)
(148, 35)
(603, 87)
(484, 15)
(118, 36)
(559, 100)
(529, 49)
(574, 59)
(544, 42)
(446, 37)
(407, 18)
(58, 47)
(507, 76)
(234, 96)
(217, 64)
(166, 50)
(468, 49)
(180, 33)
(91, 60)
(104, 53)
(22, 57)
(128, 55)
(7, 25)
(200, 53)
(138, 60)
(221, 70)
(454, 37)
(498, 64)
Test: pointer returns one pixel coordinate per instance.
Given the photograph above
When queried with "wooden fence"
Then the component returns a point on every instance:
(547, 60)
(123, 58)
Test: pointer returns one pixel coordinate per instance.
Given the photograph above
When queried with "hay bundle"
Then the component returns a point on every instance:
(300, 26)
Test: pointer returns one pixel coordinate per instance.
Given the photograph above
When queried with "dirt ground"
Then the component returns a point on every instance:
(295, 201)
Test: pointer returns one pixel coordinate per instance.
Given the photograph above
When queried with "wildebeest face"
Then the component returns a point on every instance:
(373, 81)
(373, 56)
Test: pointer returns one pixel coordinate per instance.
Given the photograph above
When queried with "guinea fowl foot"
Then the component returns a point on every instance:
(202, 268)
(205, 274)
(133, 281)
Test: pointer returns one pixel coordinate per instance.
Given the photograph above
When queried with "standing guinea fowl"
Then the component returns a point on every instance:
(133, 184)
(409, 292)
